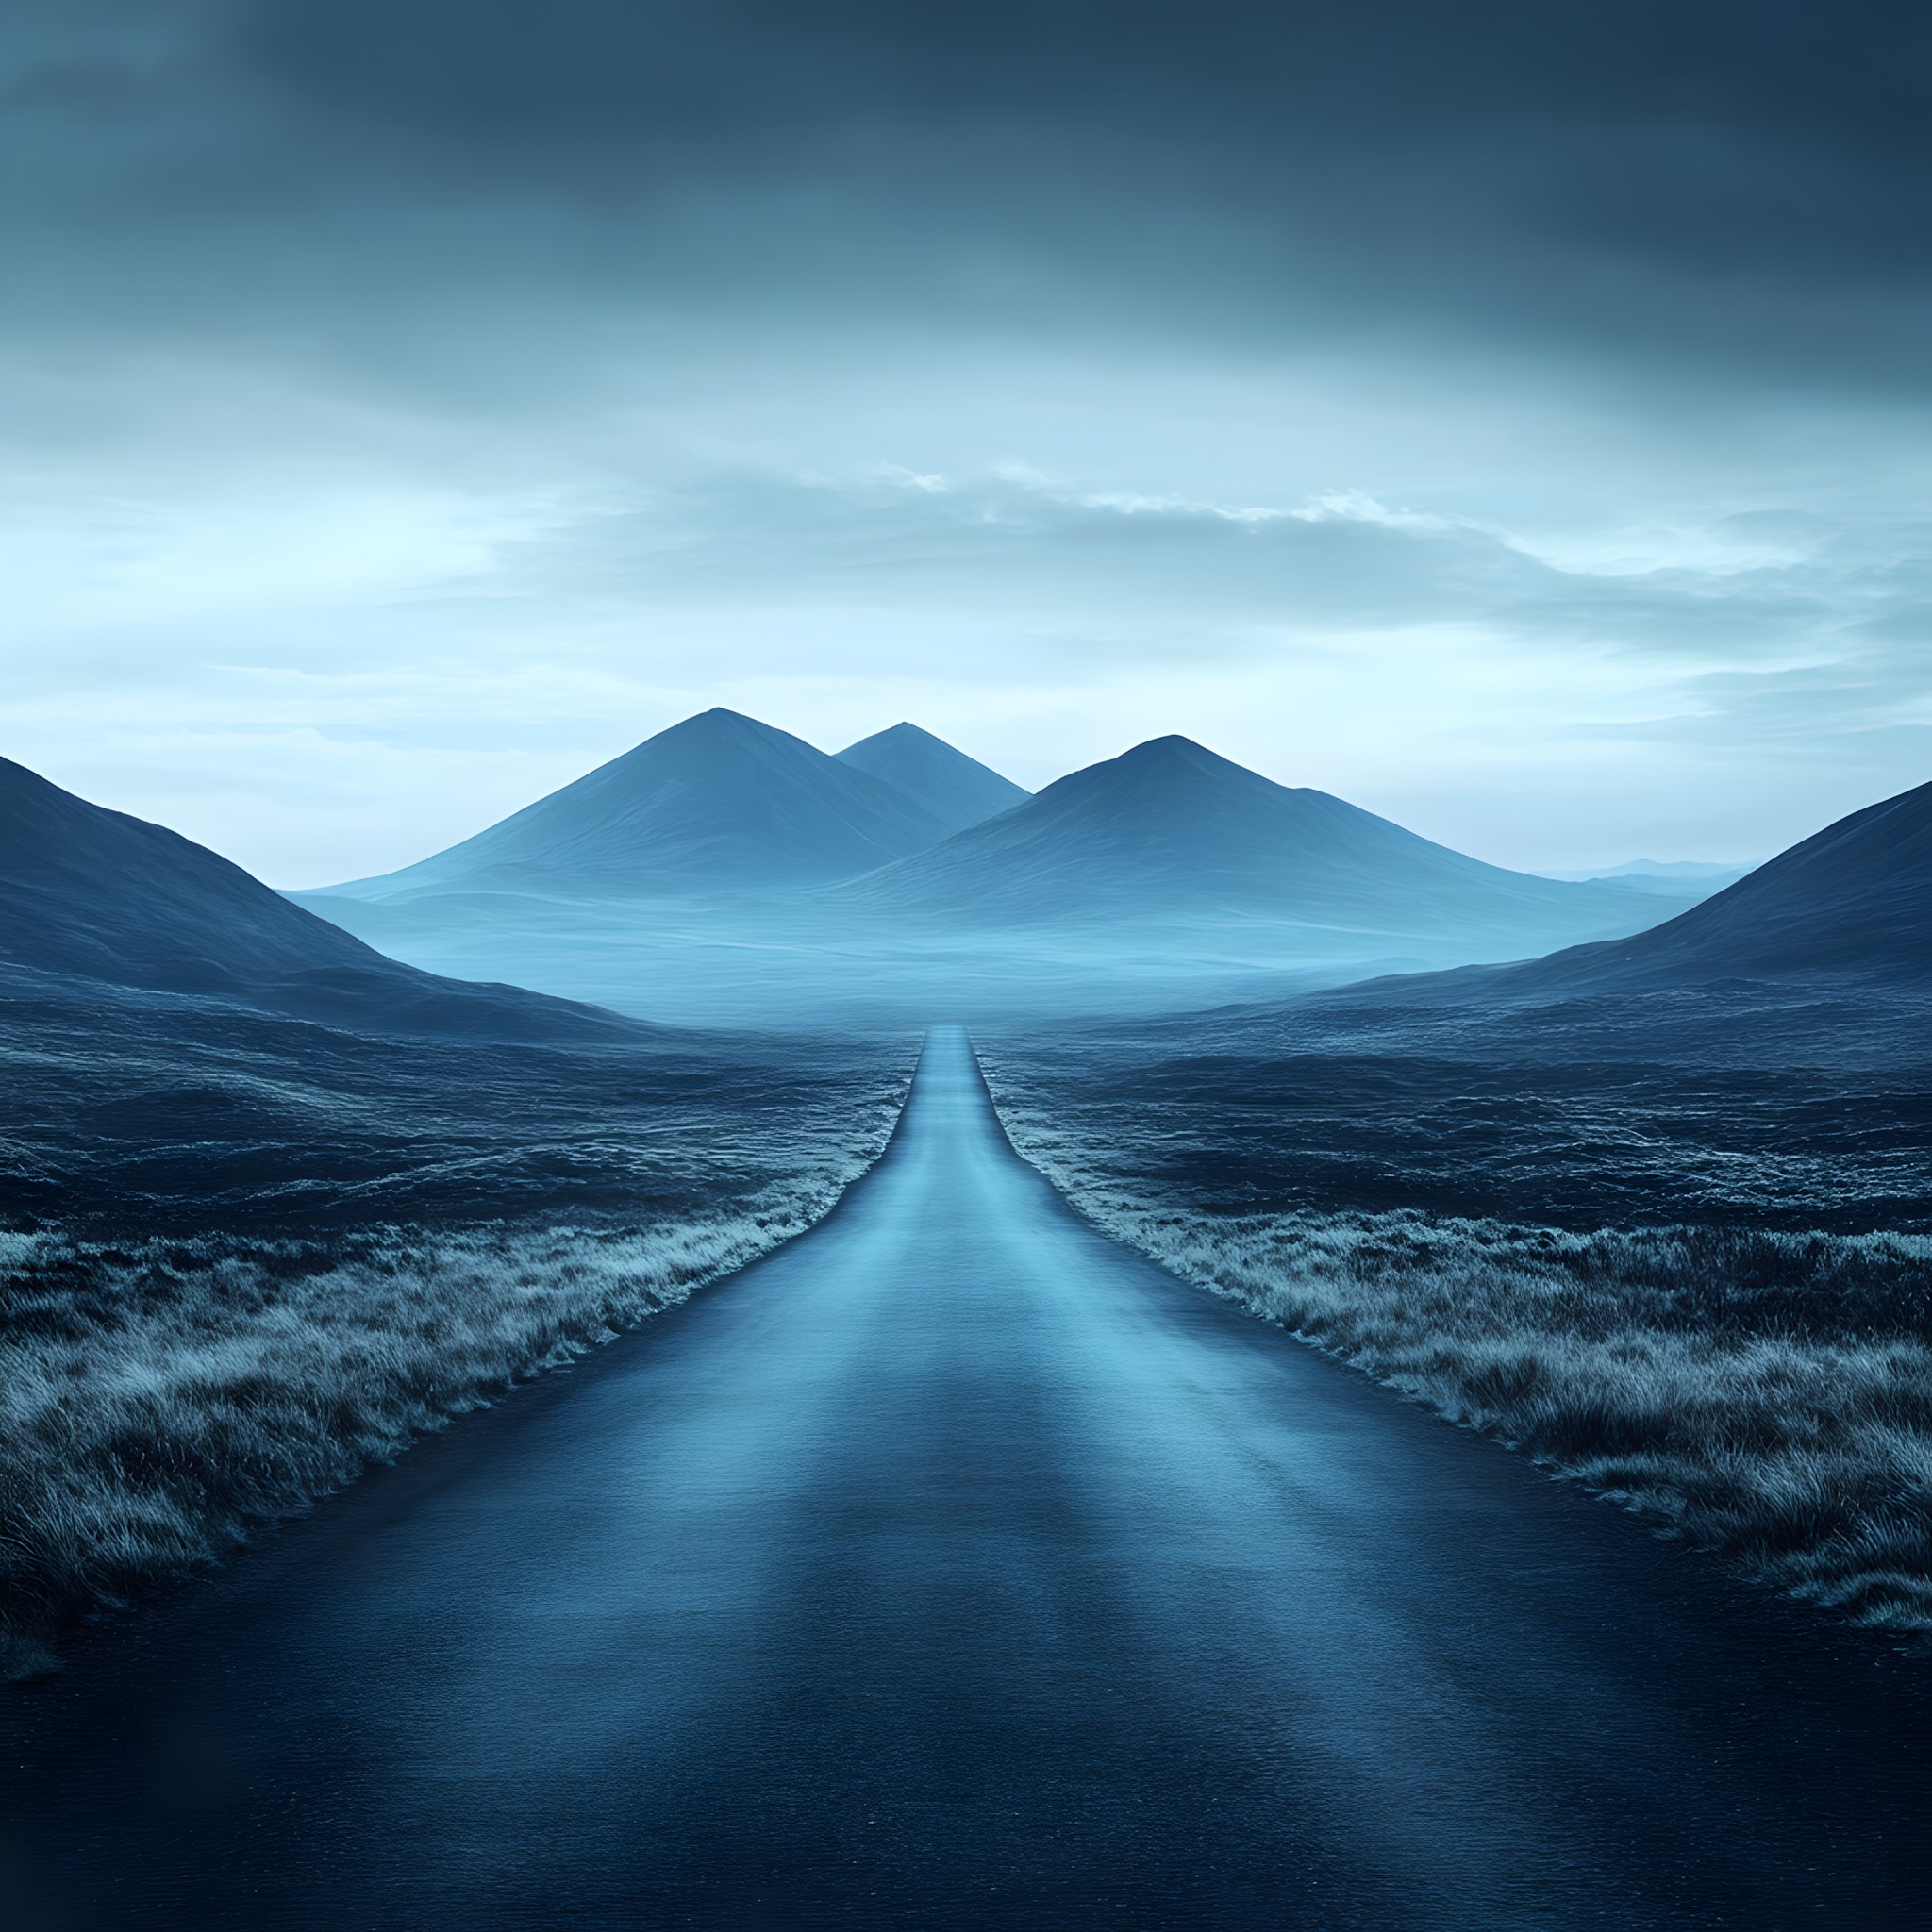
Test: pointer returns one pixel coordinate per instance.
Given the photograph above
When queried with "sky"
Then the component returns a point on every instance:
(1511, 417)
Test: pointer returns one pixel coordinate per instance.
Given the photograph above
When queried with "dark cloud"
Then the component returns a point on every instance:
(1252, 81)
(1748, 185)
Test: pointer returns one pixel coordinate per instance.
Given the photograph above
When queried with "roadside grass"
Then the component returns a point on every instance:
(1765, 1394)
(249, 1256)
(161, 1401)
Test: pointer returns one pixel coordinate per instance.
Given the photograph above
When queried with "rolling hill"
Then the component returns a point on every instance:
(957, 790)
(96, 896)
(717, 804)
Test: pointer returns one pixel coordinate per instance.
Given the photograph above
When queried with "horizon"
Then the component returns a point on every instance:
(194, 815)
(1519, 434)
(1623, 861)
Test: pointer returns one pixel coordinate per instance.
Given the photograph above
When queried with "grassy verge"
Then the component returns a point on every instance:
(163, 1399)
(1767, 1394)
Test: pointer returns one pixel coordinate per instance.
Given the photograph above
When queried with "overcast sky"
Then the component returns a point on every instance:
(1512, 417)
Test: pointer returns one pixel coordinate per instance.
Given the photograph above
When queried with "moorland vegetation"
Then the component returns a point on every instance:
(1702, 1290)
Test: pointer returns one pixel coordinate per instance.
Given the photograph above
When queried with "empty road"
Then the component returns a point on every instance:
(954, 1568)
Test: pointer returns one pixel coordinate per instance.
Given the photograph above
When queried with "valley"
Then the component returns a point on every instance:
(1651, 1209)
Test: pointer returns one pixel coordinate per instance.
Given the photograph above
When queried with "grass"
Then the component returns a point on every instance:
(1766, 1393)
(305, 1249)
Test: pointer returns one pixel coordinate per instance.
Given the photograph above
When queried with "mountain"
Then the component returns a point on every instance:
(1685, 880)
(718, 802)
(1853, 900)
(96, 895)
(957, 790)
(1664, 869)
(1171, 829)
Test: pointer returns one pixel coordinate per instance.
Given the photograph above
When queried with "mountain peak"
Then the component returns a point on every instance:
(1169, 776)
(1172, 831)
(1174, 749)
(719, 726)
(722, 717)
(960, 792)
(714, 803)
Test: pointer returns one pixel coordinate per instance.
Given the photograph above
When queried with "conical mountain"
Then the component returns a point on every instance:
(718, 802)
(90, 894)
(957, 790)
(1853, 900)
(1171, 829)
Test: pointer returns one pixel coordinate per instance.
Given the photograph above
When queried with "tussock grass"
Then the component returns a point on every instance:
(161, 1399)
(1766, 1394)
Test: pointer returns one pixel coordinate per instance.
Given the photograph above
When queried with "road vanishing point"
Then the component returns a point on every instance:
(954, 1567)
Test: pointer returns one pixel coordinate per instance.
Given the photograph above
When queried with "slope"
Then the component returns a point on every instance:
(718, 802)
(1853, 901)
(94, 895)
(957, 790)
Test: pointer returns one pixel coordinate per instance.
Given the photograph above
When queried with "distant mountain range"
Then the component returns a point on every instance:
(1686, 880)
(1660, 869)
(728, 873)
(901, 825)
(96, 895)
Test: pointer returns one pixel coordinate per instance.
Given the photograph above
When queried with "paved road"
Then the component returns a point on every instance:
(953, 1568)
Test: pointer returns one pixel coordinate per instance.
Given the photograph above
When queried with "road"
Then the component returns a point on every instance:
(954, 1568)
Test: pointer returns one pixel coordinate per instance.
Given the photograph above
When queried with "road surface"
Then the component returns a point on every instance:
(954, 1568)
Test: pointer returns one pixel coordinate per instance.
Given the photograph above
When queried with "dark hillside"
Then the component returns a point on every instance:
(1851, 903)
(100, 896)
